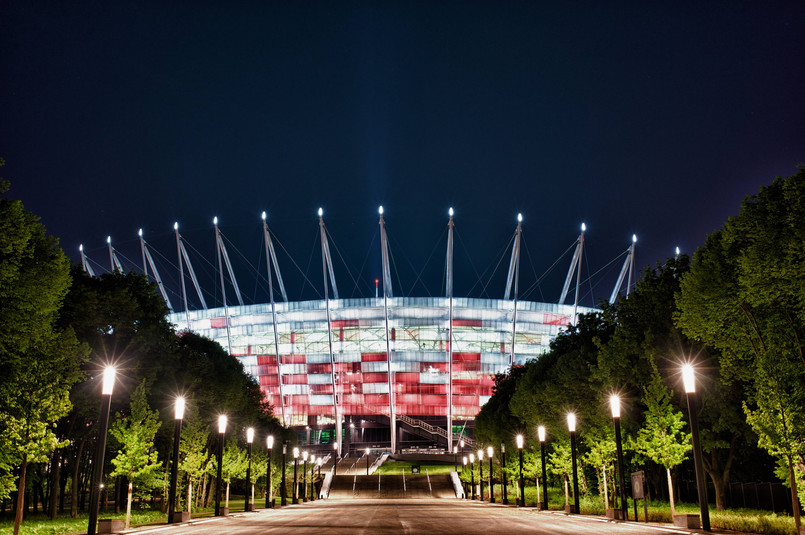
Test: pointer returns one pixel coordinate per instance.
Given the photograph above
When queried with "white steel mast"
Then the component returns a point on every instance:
(575, 265)
(386, 294)
(326, 262)
(84, 263)
(514, 276)
(449, 288)
(148, 260)
(218, 249)
(628, 267)
(271, 259)
(113, 261)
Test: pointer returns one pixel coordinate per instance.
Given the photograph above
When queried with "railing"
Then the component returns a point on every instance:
(435, 430)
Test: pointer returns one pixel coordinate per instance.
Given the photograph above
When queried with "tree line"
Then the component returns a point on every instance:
(58, 329)
(735, 311)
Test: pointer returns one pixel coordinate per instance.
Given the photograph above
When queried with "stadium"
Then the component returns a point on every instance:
(388, 373)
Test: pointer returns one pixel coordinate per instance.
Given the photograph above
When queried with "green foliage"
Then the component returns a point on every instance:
(137, 459)
(234, 461)
(661, 438)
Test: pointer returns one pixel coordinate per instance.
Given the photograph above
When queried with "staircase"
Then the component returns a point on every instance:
(433, 430)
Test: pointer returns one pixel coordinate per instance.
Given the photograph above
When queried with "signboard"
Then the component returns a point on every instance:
(638, 485)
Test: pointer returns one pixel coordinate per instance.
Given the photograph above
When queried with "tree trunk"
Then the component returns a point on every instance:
(794, 498)
(606, 490)
(128, 507)
(189, 495)
(671, 492)
(55, 477)
(20, 495)
(227, 495)
(718, 475)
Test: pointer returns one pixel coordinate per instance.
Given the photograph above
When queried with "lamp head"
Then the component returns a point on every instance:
(250, 435)
(455, 449)
(472, 457)
(81, 247)
(222, 423)
(583, 227)
(689, 379)
(489, 451)
(335, 446)
(450, 211)
(677, 251)
(465, 460)
(541, 433)
(461, 443)
(380, 210)
(571, 422)
(304, 455)
(296, 453)
(263, 215)
(108, 239)
(176, 225)
(519, 218)
(215, 220)
(321, 212)
(520, 441)
(179, 408)
(634, 238)
(368, 451)
(615, 405)
(140, 233)
(270, 441)
(108, 380)
(480, 454)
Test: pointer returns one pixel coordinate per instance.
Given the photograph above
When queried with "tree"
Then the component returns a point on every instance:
(661, 438)
(745, 295)
(136, 459)
(38, 362)
(233, 463)
(194, 454)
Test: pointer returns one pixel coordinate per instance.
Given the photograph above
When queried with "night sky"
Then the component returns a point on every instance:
(647, 118)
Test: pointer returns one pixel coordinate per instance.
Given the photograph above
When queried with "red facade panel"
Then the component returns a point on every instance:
(373, 357)
(218, 323)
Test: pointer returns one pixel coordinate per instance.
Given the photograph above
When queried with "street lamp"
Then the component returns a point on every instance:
(249, 486)
(221, 431)
(312, 477)
(464, 470)
(283, 487)
(689, 380)
(304, 476)
(489, 452)
(541, 436)
(571, 426)
(270, 489)
(481, 475)
(520, 444)
(97, 470)
(455, 456)
(178, 414)
(335, 458)
(503, 469)
(294, 494)
(472, 474)
(367, 461)
(615, 405)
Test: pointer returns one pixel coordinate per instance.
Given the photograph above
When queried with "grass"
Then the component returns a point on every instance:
(395, 468)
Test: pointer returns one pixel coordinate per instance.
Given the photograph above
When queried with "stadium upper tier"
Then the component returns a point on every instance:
(301, 386)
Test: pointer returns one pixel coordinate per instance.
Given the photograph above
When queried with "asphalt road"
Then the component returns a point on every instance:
(426, 517)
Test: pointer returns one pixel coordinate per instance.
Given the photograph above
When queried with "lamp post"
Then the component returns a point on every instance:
(283, 487)
(481, 475)
(97, 470)
(249, 486)
(312, 478)
(367, 461)
(489, 453)
(464, 471)
(269, 485)
(472, 474)
(615, 405)
(541, 436)
(571, 426)
(689, 379)
(520, 441)
(335, 458)
(294, 494)
(178, 414)
(455, 456)
(304, 476)
(503, 469)
(221, 431)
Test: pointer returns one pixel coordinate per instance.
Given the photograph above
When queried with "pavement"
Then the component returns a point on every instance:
(409, 516)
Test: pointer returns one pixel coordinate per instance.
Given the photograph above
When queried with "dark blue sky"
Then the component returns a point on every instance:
(647, 118)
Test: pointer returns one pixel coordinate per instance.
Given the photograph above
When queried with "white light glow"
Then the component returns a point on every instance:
(263, 215)
(489, 451)
(368, 451)
(541, 433)
(634, 238)
(222, 423)
(583, 227)
(480, 455)
(465, 460)
(178, 408)
(461, 443)
(472, 457)
(335, 445)
(108, 380)
(270, 441)
(215, 220)
(519, 218)
(450, 211)
(296, 453)
(571, 422)
(108, 239)
(81, 247)
(677, 251)
(321, 212)
(380, 210)
(520, 441)
(140, 233)
(176, 225)
(304, 456)
(455, 449)
(249, 435)
(615, 406)
(689, 379)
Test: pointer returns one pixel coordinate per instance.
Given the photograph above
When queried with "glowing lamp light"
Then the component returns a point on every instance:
(304, 455)
(108, 239)
(480, 454)
(677, 251)
(250, 435)
(321, 212)
(335, 445)
(615, 405)
(108, 380)
(140, 233)
(215, 220)
(461, 443)
(465, 460)
(634, 238)
(541, 433)
(519, 218)
(263, 215)
(455, 449)
(179, 408)
(571, 422)
(368, 451)
(270, 441)
(583, 227)
(296, 453)
(176, 225)
(502, 447)
(489, 451)
(520, 441)
(222, 423)
(450, 211)
(689, 379)
(380, 210)
(472, 457)
(81, 247)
